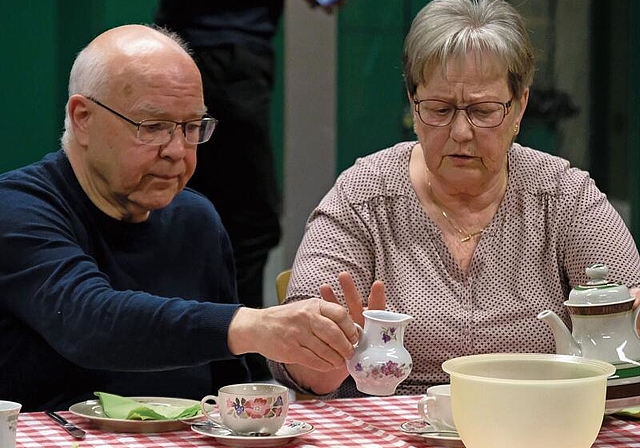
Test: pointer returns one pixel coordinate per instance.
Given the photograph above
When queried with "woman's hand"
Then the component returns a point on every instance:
(376, 301)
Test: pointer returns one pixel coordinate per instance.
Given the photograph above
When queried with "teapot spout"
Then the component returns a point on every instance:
(565, 343)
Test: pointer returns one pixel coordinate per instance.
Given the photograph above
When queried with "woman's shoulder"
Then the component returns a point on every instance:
(539, 172)
(382, 173)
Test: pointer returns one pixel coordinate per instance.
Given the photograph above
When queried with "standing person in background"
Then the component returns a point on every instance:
(232, 46)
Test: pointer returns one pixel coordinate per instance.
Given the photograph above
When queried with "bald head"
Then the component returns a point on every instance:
(134, 41)
(118, 59)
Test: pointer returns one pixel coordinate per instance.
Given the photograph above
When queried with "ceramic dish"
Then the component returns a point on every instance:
(614, 405)
(420, 429)
(92, 411)
(288, 432)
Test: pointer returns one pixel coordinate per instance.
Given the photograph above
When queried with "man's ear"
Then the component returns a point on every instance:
(79, 115)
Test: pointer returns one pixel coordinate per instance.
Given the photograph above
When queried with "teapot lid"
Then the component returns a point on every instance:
(598, 289)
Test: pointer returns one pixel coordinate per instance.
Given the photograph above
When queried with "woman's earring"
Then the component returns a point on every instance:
(516, 128)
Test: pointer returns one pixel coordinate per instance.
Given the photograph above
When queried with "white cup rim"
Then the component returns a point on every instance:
(6, 405)
(266, 388)
(440, 390)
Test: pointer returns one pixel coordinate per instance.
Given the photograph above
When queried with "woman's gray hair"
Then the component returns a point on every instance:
(446, 30)
(91, 73)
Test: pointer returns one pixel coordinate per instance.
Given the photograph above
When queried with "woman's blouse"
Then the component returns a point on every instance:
(552, 223)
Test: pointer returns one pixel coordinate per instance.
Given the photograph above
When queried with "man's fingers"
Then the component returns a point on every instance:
(320, 357)
(315, 333)
(325, 357)
(337, 314)
(309, 358)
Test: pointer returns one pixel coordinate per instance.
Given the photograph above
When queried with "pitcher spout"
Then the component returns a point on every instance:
(565, 343)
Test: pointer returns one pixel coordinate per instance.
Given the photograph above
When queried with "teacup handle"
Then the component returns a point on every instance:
(204, 404)
(423, 405)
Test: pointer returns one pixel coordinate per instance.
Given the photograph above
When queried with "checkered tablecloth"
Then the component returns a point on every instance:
(363, 423)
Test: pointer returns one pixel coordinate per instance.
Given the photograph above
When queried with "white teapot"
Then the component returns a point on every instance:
(604, 328)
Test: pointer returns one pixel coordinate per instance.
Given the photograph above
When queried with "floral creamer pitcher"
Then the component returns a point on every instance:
(381, 361)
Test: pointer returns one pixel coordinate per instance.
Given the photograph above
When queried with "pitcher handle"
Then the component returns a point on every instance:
(361, 332)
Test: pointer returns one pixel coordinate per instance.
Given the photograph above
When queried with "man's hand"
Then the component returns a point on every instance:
(314, 333)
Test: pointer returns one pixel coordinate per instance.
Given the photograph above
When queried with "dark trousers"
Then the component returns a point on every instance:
(235, 169)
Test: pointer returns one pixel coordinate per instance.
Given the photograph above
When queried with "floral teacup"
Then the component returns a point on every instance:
(249, 408)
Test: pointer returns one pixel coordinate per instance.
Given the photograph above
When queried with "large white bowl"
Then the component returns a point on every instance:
(508, 400)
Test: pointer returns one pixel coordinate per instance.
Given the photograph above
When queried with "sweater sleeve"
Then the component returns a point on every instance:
(54, 286)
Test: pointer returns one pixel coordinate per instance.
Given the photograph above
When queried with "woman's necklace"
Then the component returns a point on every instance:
(466, 236)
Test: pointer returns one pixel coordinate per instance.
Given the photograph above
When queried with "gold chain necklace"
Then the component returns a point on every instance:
(466, 236)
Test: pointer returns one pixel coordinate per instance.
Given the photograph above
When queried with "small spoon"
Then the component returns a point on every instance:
(422, 427)
(431, 432)
(208, 424)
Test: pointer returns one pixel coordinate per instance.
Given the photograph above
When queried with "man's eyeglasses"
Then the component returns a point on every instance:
(160, 132)
(486, 114)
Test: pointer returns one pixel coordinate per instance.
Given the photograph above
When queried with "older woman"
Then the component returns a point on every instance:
(471, 233)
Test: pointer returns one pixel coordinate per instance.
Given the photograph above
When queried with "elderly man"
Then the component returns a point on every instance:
(115, 278)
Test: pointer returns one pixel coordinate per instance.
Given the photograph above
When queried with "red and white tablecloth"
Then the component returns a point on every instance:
(363, 423)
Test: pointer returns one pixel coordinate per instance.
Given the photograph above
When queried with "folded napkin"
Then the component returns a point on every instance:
(122, 408)
(629, 412)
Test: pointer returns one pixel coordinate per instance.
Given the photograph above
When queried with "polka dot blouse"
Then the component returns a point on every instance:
(552, 223)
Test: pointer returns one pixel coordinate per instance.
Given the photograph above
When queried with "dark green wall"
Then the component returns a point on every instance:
(40, 41)
(372, 103)
(29, 82)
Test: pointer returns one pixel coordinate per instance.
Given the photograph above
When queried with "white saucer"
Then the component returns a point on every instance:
(422, 430)
(614, 405)
(288, 432)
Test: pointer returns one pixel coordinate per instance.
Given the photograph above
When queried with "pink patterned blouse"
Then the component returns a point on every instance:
(552, 223)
